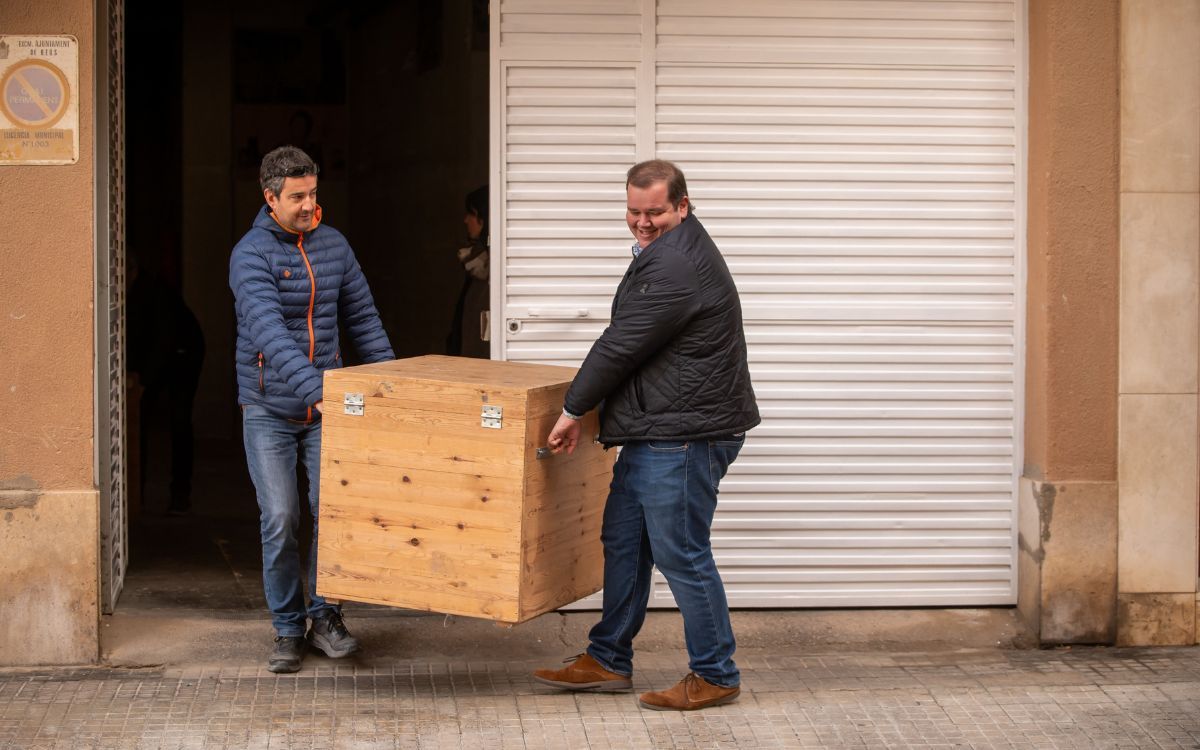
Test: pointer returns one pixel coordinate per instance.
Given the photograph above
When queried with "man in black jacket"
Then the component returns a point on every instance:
(671, 377)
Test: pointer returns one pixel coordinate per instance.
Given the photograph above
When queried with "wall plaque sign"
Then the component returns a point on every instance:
(39, 99)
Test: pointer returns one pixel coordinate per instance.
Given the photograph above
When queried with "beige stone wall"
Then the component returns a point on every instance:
(48, 504)
(1067, 557)
(1108, 505)
(1160, 294)
(48, 611)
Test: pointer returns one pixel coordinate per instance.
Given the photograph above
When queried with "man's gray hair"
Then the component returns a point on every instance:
(285, 161)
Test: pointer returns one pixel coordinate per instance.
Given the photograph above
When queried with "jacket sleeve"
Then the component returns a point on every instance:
(356, 309)
(257, 302)
(661, 299)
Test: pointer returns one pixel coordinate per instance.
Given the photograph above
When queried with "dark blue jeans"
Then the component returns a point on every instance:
(272, 447)
(659, 513)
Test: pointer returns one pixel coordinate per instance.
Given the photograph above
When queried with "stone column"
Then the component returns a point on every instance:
(1160, 248)
(1068, 499)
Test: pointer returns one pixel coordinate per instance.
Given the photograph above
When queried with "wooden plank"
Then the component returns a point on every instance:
(582, 476)
(343, 477)
(466, 371)
(421, 517)
(413, 577)
(592, 476)
(553, 492)
(573, 578)
(395, 415)
(431, 563)
(427, 452)
(562, 559)
(537, 555)
(424, 546)
(445, 384)
(575, 524)
(403, 582)
(362, 583)
(415, 394)
(562, 556)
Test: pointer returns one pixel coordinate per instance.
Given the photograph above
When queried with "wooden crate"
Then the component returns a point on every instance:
(425, 507)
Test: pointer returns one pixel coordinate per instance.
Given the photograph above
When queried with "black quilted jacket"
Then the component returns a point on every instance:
(672, 363)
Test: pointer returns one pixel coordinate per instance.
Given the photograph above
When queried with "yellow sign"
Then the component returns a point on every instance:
(39, 100)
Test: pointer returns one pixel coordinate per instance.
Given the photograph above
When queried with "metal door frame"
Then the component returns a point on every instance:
(109, 451)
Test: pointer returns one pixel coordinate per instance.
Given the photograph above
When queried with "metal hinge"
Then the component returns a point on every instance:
(492, 417)
(354, 404)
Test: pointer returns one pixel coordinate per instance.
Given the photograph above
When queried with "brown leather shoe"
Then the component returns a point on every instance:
(583, 673)
(690, 694)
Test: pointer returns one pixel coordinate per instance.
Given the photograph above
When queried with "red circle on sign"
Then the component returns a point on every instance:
(34, 94)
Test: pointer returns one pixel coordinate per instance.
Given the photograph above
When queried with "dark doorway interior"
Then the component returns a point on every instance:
(390, 98)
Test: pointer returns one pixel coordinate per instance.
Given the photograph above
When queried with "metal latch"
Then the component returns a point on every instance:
(492, 417)
(354, 404)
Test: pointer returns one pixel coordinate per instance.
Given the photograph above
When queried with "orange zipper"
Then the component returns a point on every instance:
(312, 299)
(312, 291)
(261, 373)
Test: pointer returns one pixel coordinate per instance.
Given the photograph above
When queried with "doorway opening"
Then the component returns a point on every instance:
(390, 98)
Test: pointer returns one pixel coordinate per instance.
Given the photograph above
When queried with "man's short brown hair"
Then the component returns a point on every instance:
(646, 173)
(284, 162)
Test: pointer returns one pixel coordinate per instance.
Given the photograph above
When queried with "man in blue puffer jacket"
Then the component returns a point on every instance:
(293, 279)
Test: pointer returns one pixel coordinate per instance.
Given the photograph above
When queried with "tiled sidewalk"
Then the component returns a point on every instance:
(1081, 698)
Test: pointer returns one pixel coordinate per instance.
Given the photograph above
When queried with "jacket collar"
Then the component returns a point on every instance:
(678, 235)
(266, 220)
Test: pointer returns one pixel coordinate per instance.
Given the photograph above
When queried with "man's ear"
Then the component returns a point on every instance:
(270, 198)
(684, 206)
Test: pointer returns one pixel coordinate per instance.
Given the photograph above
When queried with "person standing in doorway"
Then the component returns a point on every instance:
(671, 372)
(294, 280)
(469, 334)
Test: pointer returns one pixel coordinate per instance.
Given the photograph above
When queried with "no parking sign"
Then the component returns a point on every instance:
(39, 100)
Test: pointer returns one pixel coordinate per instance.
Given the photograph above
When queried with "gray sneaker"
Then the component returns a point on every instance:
(286, 655)
(328, 633)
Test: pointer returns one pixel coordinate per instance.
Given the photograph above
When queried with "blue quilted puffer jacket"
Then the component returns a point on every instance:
(287, 325)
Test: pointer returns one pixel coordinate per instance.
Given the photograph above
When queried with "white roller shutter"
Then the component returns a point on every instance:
(569, 137)
(857, 163)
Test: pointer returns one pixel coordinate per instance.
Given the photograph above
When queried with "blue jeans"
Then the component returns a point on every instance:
(659, 513)
(272, 446)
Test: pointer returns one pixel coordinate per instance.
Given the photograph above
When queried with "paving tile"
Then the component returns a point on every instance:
(1079, 698)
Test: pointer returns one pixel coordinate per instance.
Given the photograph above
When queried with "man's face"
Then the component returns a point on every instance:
(296, 204)
(649, 212)
(474, 225)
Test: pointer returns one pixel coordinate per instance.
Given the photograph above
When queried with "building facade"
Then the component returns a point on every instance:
(967, 238)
